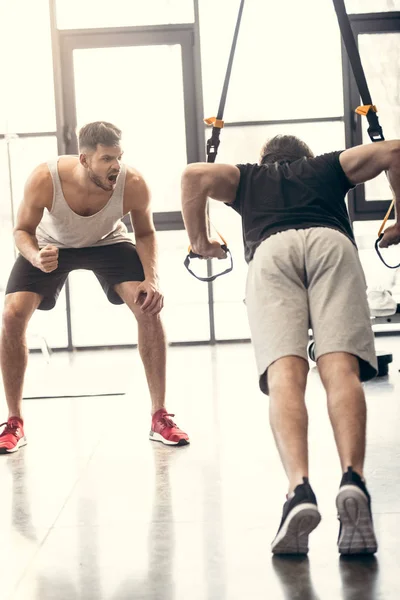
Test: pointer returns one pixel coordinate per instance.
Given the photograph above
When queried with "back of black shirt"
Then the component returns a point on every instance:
(309, 192)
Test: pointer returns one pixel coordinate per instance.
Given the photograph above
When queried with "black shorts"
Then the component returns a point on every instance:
(111, 264)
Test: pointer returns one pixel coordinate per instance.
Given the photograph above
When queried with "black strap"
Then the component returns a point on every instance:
(374, 130)
(380, 255)
(212, 277)
(213, 142)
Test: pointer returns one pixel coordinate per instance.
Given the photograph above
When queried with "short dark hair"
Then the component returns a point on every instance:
(98, 132)
(284, 148)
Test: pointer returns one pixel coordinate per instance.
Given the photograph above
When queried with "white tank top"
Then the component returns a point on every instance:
(64, 228)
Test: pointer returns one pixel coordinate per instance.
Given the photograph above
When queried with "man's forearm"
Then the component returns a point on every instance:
(26, 243)
(194, 206)
(147, 250)
(393, 175)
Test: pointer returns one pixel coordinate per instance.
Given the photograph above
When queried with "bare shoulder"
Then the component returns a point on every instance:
(136, 193)
(364, 162)
(39, 187)
(213, 169)
(66, 166)
(218, 180)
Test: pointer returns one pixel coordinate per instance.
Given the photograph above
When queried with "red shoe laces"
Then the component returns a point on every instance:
(10, 428)
(165, 421)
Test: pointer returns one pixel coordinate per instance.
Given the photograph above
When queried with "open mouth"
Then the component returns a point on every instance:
(112, 178)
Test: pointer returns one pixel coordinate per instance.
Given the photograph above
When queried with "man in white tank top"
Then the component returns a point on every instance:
(71, 218)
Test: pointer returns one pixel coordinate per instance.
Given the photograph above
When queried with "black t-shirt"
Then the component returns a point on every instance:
(309, 192)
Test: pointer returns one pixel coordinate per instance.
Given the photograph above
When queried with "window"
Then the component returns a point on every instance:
(378, 39)
(371, 6)
(381, 58)
(27, 74)
(152, 123)
(74, 14)
(287, 62)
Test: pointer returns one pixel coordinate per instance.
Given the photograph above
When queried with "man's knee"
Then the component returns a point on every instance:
(17, 313)
(145, 319)
(14, 319)
(337, 368)
(289, 371)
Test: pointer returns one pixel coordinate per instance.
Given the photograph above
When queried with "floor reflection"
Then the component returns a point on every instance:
(294, 577)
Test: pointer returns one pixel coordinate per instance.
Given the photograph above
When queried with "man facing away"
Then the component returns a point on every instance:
(70, 218)
(304, 271)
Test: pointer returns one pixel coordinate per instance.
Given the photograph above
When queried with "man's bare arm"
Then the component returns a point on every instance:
(363, 163)
(137, 202)
(38, 195)
(199, 182)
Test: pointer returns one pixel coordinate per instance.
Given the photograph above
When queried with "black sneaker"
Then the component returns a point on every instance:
(356, 534)
(300, 517)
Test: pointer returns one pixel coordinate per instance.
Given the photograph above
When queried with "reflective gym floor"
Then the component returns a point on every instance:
(91, 509)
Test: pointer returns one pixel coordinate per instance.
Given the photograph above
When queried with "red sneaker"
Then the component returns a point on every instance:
(12, 437)
(164, 430)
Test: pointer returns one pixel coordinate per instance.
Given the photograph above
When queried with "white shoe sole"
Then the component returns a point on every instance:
(357, 535)
(292, 538)
(156, 437)
(383, 312)
(21, 442)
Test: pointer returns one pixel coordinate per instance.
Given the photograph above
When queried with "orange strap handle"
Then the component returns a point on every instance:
(214, 122)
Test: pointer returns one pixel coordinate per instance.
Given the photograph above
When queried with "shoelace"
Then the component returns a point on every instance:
(165, 421)
(10, 428)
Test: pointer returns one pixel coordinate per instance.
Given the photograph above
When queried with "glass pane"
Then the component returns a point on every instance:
(153, 123)
(380, 54)
(185, 314)
(371, 6)
(266, 82)
(74, 14)
(27, 75)
(243, 144)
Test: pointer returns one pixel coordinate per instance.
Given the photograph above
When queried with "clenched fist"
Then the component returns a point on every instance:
(46, 259)
(391, 236)
(212, 249)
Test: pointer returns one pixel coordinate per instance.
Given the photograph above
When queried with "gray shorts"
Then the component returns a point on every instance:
(302, 279)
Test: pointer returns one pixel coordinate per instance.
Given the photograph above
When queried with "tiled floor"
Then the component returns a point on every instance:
(92, 510)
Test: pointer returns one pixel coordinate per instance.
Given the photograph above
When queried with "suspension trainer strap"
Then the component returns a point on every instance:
(217, 122)
(212, 148)
(380, 255)
(368, 109)
(211, 277)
